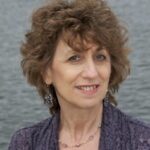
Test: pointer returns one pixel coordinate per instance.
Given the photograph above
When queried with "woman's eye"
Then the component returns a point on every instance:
(74, 58)
(100, 57)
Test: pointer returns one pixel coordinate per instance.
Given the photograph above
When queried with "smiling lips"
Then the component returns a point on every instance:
(88, 89)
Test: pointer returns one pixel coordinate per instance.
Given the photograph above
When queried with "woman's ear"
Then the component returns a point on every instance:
(47, 76)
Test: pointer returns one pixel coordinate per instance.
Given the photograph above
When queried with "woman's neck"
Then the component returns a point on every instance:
(78, 124)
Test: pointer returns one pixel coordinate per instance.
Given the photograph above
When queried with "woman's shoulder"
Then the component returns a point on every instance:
(26, 137)
(119, 115)
(137, 130)
(133, 121)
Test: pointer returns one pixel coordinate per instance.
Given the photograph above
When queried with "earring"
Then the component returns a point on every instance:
(49, 99)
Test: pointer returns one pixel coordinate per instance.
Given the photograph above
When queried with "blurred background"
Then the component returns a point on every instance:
(20, 104)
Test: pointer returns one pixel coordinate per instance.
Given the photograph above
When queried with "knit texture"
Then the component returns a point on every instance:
(119, 132)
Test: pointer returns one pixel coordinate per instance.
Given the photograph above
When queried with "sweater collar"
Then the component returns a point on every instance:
(107, 130)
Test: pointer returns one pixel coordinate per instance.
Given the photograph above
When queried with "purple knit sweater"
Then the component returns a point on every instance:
(119, 132)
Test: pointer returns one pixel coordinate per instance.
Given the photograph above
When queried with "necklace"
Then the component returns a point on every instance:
(90, 138)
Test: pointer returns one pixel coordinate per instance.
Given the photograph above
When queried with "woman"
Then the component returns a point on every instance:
(76, 57)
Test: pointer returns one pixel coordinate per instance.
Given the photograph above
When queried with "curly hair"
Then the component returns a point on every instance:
(91, 20)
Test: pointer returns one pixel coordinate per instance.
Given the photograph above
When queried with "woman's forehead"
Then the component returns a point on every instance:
(80, 45)
(64, 48)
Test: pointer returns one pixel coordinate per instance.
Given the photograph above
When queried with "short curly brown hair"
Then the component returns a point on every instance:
(88, 19)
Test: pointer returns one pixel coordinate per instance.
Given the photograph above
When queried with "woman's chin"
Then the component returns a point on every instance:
(88, 105)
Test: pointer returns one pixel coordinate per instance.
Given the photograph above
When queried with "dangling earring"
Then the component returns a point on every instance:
(49, 99)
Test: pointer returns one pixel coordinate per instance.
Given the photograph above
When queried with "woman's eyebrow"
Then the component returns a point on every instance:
(72, 51)
(69, 51)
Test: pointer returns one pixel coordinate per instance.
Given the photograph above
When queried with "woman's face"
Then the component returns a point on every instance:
(80, 78)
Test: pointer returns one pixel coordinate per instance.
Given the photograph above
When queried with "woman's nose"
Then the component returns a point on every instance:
(90, 70)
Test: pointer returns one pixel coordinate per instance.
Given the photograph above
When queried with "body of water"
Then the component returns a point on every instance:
(20, 103)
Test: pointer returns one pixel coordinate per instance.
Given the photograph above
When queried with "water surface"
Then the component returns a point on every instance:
(20, 104)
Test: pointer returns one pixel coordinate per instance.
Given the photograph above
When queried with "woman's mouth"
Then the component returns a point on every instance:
(88, 89)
